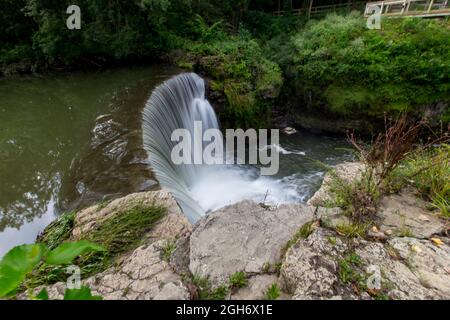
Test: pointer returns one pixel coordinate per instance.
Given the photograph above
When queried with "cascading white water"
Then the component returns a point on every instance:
(176, 104)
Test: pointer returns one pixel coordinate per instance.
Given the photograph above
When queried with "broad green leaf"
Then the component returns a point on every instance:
(65, 253)
(42, 295)
(16, 264)
(84, 293)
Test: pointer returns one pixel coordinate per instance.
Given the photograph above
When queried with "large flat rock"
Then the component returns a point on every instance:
(243, 237)
(408, 268)
(405, 213)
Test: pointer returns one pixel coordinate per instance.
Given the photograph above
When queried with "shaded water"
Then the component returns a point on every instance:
(73, 140)
(67, 141)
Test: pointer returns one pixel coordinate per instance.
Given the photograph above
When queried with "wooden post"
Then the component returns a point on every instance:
(431, 5)
(309, 10)
(407, 6)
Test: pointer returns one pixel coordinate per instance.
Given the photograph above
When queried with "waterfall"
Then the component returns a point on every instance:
(176, 104)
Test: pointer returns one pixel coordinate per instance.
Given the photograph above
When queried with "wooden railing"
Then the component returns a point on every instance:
(405, 8)
(318, 10)
(410, 8)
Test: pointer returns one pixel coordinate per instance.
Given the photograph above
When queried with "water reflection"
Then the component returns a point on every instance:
(46, 151)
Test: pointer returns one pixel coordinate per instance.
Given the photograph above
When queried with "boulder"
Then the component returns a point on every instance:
(172, 225)
(141, 275)
(243, 237)
(407, 268)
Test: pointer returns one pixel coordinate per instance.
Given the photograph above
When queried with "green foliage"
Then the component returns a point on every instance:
(219, 293)
(21, 260)
(116, 236)
(84, 293)
(347, 269)
(273, 293)
(239, 71)
(205, 290)
(238, 280)
(16, 264)
(66, 252)
(168, 249)
(58, 231)
(42, 295)
(302, 233)
(358, 198)
(429, 171)
(353, 69)
(352, 230)
(126, 229)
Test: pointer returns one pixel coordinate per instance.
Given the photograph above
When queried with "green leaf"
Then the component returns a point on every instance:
(16, 264)
(42, 295)
(66, 252)
(84, 293)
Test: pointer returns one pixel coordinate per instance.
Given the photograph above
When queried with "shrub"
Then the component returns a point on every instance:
(240, 73)
(21, 260)
(352, 69)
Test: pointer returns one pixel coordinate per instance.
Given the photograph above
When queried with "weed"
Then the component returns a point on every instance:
(205, 290)
(168, 249)
(273, 293)
(352, 230)
(238, 280)
(58, 231)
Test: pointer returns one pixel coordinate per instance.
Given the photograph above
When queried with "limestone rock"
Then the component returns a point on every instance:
(311, 267)
(407, 213)
(143, 275)
(174, 223)
(243, 237)
(347, 171)
(179, 260)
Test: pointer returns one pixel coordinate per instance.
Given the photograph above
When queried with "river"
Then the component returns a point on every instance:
(68, 141)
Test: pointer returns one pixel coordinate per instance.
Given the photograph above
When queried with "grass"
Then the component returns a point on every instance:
(238, 280)
(103, 204)
(429, 172)
(273, 293)
(302, 233)
(205, 290)
(347, 269)
(58, 231)
(119, 234)
(352, 230)
(168, 249)
(358, 199)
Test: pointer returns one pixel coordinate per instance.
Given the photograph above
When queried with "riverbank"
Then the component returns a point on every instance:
(270, 252)
(332, 68)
